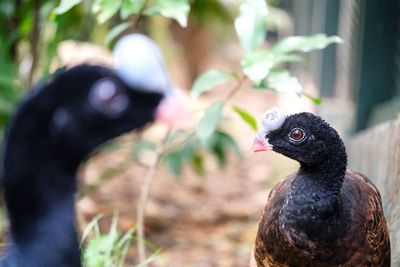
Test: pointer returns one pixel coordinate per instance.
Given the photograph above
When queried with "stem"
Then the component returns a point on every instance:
(105, 177)
(235, 89)
(139, 15)
(35, 41)
(13, 25)
(144, 196)
(176, 145)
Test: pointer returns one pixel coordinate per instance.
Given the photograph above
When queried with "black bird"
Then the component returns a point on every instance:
(324, 214)
(55, 128)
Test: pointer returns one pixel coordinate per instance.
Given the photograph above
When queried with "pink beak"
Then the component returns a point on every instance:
(260, 144)
(173, 112)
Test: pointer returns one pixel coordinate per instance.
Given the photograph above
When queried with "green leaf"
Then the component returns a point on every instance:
(105, 9)
(208, 124)
(116, 31)
(126, 238)
(250, 24)
(6, 9)
(149, 260)
(66, 5)
(107, 249)
(197, 162)
(229, 142)
(246, 117)
(130, 7)
(174, 9)
(208, 80)
(257, 65)
(5, 106)
(283, 82)
(92, 226)
(142, 145)
(315, 100)
(220, 143)
(304, 43)
(174, 162)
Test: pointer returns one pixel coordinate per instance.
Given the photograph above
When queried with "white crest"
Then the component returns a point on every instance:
(139, 63)
(273, 119)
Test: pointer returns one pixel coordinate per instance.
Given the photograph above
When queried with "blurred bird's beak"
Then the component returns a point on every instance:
(261, 144)
(174, 112)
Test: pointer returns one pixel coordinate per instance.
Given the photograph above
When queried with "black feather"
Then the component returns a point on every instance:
(54, 129)
(324, 214)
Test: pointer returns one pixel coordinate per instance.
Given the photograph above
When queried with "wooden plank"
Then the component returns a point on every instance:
(376, 153)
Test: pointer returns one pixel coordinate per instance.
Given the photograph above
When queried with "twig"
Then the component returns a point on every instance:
(105, 177)
(235, 89)
(35, 38)
(144, 195)
(13, 24)
(176, 145)
(140, 15)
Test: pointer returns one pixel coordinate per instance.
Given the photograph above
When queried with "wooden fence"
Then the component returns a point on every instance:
(376, 153)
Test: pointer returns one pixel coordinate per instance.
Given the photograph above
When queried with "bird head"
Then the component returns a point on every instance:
(140, 65)
(303, 137)
(79, 108)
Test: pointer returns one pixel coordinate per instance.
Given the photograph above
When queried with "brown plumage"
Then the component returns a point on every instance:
(324, 214)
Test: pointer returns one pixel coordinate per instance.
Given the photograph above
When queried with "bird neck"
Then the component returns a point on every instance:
(45, 235)
(328, 174)
(40, 194)
(314, 205)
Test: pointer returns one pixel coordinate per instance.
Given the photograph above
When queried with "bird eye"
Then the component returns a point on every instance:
(108, 98)
(296, 134)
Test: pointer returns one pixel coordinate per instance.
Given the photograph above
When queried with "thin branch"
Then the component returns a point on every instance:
(104, 178)
(140, 15)
(176, 145)
(235, 89)
(13, 24)
(144, 195)
(35, 38)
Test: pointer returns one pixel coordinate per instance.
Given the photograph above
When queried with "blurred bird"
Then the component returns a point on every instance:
(324, 214)
(56, 127)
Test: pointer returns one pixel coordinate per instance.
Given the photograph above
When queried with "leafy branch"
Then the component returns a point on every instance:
(107, 9)
(261, 67)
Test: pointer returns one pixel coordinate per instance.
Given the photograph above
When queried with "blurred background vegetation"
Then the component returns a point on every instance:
(235, 59)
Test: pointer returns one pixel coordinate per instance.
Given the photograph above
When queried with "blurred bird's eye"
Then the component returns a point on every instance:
(108, 98)
(296, 134)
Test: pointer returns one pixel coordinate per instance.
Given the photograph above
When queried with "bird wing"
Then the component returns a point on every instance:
(269, 221)
(374, 250)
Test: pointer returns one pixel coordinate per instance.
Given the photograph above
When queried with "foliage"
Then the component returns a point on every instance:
(251, 24)
(208, 81)
(261, 66)
(246, 117)
(107, 249)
